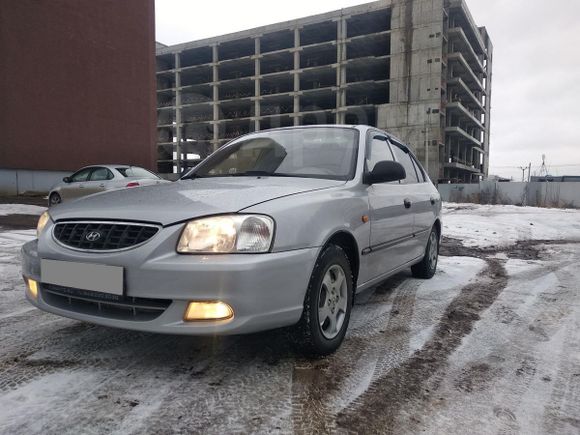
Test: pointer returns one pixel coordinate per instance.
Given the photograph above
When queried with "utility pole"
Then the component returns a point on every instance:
(523, 169)
(529, 172)
(544, 168)
(427, 123)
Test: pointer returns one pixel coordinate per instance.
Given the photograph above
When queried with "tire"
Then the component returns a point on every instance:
(329, 295)
(54, 199)
(427, 267)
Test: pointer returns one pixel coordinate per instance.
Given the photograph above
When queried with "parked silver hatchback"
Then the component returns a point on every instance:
(277, 228)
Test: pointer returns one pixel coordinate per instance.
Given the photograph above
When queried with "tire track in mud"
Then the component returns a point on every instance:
(217, 390)
(378, 408)
(78, 346)
(319, 387)
(562, 410)
(415, 381)
(505, 370)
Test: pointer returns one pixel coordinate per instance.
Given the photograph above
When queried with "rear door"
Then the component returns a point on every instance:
(391, 221)
(426, 206)
(414, 196)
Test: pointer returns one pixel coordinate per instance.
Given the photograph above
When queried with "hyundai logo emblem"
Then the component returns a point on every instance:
(93, 236)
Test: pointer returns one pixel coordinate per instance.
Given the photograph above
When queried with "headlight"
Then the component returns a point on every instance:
(42, 221)
(227, 234)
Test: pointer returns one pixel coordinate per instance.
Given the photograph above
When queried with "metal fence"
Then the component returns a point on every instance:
(536, 194)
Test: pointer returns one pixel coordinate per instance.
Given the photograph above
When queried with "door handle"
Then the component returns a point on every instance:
(101, 185)
(407, 203)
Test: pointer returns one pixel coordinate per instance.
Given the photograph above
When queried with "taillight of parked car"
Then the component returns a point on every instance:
(132, 184)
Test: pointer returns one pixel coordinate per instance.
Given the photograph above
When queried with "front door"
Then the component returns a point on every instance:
(98, 181)
(77, 186)
(391, 236)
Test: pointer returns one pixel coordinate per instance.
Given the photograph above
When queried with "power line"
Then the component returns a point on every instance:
(551, 166)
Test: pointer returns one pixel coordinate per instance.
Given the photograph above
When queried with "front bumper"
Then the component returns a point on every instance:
(266, 291)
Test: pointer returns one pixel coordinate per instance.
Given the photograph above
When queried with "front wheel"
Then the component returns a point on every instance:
(327, 304)
(54, 199)
(427, 267)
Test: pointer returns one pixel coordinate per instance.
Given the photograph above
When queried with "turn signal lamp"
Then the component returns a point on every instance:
(32, 288)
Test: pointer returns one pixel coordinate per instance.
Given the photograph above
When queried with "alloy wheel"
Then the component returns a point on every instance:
(333, 302)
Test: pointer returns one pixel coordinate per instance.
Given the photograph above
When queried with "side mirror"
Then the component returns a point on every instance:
(67, 179)
(385, 171)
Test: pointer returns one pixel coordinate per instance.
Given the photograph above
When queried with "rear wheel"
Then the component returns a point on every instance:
(427, 267)
(327, 304)
(54, 199)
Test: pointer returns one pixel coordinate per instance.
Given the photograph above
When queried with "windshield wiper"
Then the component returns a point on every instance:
(252, 174)
(193, 177)
(246, 174)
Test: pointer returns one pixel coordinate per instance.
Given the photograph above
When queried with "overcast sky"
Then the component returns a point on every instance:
(536, 76)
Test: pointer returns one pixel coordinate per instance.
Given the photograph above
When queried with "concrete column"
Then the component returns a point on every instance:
(341, 70)
(296, 75)
(216, 97)
(342, 61)
(178, 121)
(257, 82)
(487, 126)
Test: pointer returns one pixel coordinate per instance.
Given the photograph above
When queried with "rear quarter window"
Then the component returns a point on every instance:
(419, 170)
(136, 172)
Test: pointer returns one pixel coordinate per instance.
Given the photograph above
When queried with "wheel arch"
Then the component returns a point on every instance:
(347, 242)
(438, 227)
(51, 193)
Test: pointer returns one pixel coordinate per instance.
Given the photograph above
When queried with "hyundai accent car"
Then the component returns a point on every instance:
(279, 228)
(95, 179)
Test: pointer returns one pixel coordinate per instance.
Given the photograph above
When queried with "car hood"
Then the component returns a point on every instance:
(187, 199)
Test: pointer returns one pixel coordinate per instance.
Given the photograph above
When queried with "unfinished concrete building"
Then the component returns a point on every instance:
(420, 69)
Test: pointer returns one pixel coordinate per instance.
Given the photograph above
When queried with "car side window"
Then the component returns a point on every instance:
(101, 174)
(419, 170)
(81, 175)
(379, 151)
(404, 159)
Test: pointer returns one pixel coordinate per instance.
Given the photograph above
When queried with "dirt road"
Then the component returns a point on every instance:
(489, 345)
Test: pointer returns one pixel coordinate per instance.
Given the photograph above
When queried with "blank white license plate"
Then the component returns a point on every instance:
(85, 276)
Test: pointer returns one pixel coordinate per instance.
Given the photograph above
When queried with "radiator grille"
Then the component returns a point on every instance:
(103, 236)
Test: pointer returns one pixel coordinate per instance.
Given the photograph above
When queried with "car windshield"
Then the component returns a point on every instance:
(136, 172)
(318, 152)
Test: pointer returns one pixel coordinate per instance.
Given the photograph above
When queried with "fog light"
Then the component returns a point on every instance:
(214, 310)
(32, 288)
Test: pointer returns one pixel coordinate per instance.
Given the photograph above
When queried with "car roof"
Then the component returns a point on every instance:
(109, 166)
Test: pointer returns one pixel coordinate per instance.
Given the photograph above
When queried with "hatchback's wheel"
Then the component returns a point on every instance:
(54, 199)
(427, 267)
(327, 304)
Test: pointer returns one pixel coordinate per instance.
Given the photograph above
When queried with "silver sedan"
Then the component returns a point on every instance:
(100, 178)
(280, 228)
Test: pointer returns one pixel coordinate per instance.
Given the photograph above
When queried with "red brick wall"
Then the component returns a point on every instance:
(77, 83)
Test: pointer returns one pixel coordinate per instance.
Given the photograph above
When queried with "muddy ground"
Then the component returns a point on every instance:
(490, 345)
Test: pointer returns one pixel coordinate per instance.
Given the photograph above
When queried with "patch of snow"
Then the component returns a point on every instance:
(17, 312)
(31, 400)
(7, 209)
(15, 239)
(503, 225)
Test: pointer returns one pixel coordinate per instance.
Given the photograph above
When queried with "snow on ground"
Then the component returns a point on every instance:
(503, 225)
(7, 209)
(489, 345)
